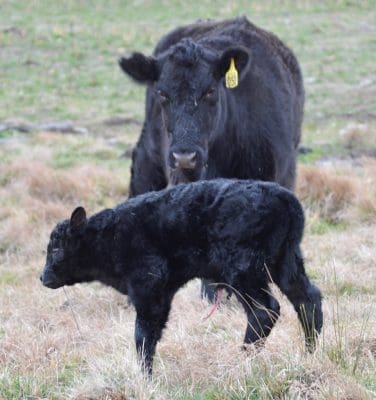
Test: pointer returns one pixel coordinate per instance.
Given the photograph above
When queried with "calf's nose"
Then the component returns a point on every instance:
(185, 160)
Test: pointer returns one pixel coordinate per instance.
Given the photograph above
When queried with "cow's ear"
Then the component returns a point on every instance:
(78, 219)
(232, 64)
(141, 68)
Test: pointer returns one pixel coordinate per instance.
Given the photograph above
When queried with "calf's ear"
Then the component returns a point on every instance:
(78, 218)
(233, 61)
(139, 67)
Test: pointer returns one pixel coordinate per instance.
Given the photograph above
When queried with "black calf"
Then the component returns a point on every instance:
(240, 234)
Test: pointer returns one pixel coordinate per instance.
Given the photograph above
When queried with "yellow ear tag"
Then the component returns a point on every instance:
(231, 76)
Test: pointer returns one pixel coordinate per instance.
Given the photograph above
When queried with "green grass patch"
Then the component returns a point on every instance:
(8, 155)
(313, 274)
(28, 386)
(8, 133)
(220, 394)
(82, 152)
(323, 139)
(24, 387)
(337, 355)
(5, 179)
(8, 278)
(321, 226)
(351, 288)
(72, 151)
(60, 60)
(69, 371)
(370, 383)
(65, 158)
(263, 383)
(316, 153)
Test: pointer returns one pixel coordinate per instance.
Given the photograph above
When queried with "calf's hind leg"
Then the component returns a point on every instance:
(304, 296)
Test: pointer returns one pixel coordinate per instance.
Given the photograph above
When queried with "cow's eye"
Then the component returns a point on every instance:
(209, 94)
(163, 98)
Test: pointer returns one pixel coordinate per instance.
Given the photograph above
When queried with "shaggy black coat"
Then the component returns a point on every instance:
(241, 234)
(197, 128)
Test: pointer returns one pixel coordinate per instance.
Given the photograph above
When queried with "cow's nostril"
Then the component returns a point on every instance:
(185, 160)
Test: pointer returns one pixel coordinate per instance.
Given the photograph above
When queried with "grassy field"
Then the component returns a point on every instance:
(58, 63)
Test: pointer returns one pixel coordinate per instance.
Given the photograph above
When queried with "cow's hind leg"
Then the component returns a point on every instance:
(304, 296)
(262, 311)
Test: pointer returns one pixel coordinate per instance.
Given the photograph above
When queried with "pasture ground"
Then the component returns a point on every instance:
(58, 63)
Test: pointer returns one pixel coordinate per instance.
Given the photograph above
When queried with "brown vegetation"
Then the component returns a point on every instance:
(359, 139)
(337, 193)
(78, 343)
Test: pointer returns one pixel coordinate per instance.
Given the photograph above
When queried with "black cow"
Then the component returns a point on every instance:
(240, 234)
(197, 127)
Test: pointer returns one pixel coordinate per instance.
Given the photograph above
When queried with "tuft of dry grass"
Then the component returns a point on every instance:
(337, 195)
(77, 185)
(359, 139)
(324, 192)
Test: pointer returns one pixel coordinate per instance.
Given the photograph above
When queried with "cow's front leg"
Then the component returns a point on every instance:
(148, 331)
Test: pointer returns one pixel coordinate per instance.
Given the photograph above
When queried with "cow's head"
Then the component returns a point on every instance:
(188, 83)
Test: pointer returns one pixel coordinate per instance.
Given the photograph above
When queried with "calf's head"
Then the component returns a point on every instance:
(64, 252)
(188, 85)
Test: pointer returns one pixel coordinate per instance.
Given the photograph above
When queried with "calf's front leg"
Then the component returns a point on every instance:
(148, 330)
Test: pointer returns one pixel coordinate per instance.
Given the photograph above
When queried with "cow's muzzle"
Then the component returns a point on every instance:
(184, 160)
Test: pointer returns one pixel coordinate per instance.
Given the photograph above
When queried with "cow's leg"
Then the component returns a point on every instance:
(304, 296)
(262, 311)
(150, 321)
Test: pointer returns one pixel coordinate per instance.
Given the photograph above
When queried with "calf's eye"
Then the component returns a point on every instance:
(58, 254)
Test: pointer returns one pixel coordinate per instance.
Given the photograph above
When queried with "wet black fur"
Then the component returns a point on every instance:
(241, 234)
(250, 132)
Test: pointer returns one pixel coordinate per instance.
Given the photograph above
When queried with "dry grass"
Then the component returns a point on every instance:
(339, 193)
(35, 195)
(78, 344)
(359, 139)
